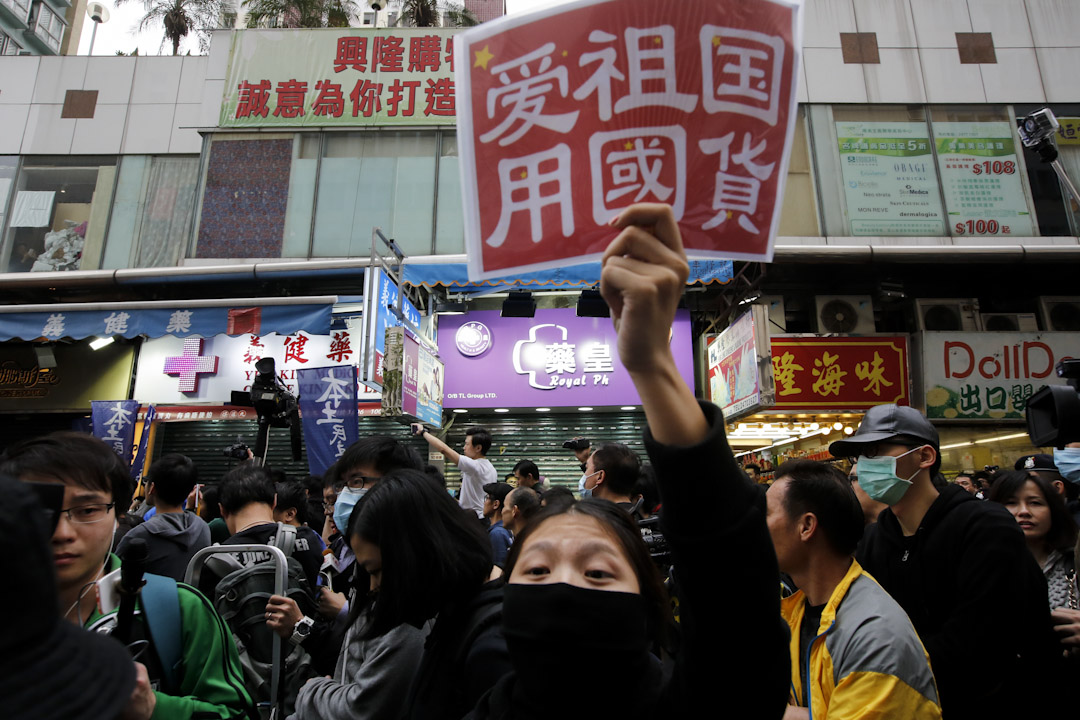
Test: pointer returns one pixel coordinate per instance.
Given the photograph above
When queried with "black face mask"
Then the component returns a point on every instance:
(595, 636)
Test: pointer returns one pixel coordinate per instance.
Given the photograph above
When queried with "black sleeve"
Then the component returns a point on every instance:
(726, 573)
(310, 558)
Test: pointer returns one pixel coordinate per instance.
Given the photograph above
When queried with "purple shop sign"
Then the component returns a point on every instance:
(555, 359)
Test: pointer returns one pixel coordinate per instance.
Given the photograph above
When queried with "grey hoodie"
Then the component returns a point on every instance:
(171, 540)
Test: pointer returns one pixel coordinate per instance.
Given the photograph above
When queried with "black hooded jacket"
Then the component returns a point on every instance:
(977, 599)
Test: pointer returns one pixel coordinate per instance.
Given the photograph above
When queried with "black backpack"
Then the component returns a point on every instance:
(240, 598)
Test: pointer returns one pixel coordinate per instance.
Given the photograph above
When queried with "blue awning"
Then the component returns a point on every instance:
(153, 319)
(456, 275)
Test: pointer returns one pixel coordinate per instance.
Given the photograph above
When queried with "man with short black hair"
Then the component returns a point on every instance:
(853, 649)
(611, 472)
(582, 449)
(500, 537)
(528, 475)
(172, 535)
(753, 471)
(292, 503)
(520, 505)
(956, 565)
(966, 481)
(476, 470)
(207, 681)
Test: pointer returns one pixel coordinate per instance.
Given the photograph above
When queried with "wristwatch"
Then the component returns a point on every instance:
(302, 630)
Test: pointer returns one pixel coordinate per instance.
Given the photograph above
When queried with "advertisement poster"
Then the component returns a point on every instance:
(339, 77)
(578, 111)
(981, 177)
(733, 368)
(412, 379)
(380, 295)
(840, 373)
(990, 375)
(555, 359)
(890, 185)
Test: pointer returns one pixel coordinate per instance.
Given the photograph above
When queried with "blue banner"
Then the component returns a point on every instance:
(178, 321)
(144, 440)
(114, 422)
(328, 413)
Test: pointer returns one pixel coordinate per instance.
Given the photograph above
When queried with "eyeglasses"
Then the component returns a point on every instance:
(86, 514)
(359, 482)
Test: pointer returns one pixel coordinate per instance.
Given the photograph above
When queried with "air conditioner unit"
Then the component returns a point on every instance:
(774, 305)
(845, 314)
(1009, 322)
(1060, 313)
(946, 314)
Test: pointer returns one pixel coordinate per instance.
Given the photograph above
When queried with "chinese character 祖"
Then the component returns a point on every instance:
(734, 193)
(179, 321)
(750, 75)
(642, 156)
(598, 359)
(294, 348)
(784, 367)
(829, 375)
(116, 323)
(559, 358)
(600, 80)
(424, 53)
(336, 389)
(970, 399)
(874, 372)
(351, 52)
(525, 98)
(253, 98)
(340, 347)
(440, 97)
(290, 99)
(523, 173)
(54, 326)
(397, 95)
(329, 101)
(365, 98)
(653, 62)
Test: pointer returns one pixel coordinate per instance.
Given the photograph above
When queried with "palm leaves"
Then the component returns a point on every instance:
(425, 13)
(180, 18)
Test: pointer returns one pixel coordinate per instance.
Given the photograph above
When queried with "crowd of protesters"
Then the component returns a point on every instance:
(878, 592)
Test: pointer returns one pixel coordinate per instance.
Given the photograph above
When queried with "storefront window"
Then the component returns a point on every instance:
(982, 172)
(304, 170)
(8, 166)
(799, 216)
(979, 447)
(59, 212)
(375, 179)
(450, 222)
(877, 169)
(152, 212)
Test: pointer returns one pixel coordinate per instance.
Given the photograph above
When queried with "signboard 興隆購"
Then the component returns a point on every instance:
(573, 113)
(976, 375)
(554, 359)
(339, 78)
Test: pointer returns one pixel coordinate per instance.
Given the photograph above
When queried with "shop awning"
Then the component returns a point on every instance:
(205, 318)
(455, 275)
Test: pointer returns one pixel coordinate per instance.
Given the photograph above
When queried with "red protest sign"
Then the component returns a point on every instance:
(568, 115)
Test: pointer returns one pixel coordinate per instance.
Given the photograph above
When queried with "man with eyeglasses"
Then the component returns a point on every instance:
(97, 486)
(958, 567)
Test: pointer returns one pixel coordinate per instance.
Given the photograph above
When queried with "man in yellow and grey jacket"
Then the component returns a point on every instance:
(854, 652)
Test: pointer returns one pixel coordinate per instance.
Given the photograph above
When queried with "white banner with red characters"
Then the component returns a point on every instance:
(571, 114)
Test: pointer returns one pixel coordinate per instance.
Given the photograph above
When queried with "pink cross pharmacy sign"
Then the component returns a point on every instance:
(568, 115)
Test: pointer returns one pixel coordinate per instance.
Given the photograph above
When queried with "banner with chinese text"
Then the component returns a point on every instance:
(114, 422)
(981, 177)
(840, 373)
(890, 185)
(973, 375)
(339, 77)
(575, 112)
(328, 413)
(137, 465)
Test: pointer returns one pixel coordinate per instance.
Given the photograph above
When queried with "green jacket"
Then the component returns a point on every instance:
(211, 679)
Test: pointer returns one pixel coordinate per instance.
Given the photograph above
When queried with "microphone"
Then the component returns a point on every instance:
(132, 568)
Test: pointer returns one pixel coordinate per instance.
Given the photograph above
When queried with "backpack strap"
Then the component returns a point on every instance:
(284, 538)
(163, 623)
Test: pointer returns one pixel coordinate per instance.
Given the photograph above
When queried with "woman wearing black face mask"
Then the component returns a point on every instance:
(582, 599)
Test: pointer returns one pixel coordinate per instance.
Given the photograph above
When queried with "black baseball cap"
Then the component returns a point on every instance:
(1039, 461)
(498, 490)
(578, 443)
(883, 423)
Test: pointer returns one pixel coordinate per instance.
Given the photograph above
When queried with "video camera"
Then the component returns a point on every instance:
(237, 451)
(1053, 413)
(274, 405)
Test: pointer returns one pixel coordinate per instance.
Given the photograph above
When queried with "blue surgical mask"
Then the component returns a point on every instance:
(1068, 463)
(877, 476)
(343, 506)
(587, 492)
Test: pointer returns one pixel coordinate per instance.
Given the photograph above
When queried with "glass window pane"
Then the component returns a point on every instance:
(799, 217)
(982, 174)
(125, 211)
(165, 225)
(368, 180)
(450, 223)
(877, 172)
(305, 163)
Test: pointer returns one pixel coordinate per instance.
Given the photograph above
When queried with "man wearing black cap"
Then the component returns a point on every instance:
(958, 567)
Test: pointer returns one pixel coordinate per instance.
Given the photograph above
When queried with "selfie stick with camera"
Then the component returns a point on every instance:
(1037, 134)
